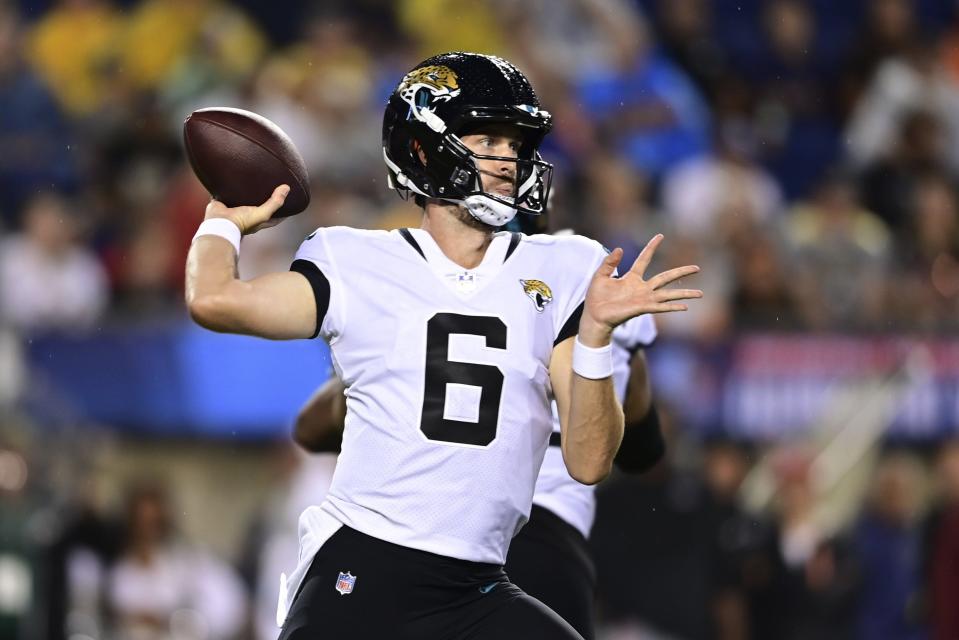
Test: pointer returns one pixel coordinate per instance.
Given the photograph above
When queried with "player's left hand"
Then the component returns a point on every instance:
(611, 301)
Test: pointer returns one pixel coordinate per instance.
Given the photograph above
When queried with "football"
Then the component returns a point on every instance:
(241, 157)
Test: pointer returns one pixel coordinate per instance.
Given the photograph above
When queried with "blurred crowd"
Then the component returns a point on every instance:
(805, 153)
(694, 551)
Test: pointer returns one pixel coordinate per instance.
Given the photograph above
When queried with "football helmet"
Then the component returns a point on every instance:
(449, 95)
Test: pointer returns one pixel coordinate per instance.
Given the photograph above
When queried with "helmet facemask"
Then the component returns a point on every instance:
(530, 181)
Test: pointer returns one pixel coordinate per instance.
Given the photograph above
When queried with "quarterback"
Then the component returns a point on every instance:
(549, 558)
(452, 341)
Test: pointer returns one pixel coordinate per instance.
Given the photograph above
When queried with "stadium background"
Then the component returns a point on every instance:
(804, 153)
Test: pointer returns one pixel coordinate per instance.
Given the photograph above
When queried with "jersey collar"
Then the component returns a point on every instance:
(462, 281)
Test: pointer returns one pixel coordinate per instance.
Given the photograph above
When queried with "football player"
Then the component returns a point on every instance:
(452, 340)
(549, 558)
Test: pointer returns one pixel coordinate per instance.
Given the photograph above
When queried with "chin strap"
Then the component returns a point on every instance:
(487, 210)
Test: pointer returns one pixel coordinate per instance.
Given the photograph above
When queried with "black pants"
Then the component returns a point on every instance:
(401, 593)
(550, 561)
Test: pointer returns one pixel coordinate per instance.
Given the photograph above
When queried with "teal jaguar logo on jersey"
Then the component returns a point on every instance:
(537, 291)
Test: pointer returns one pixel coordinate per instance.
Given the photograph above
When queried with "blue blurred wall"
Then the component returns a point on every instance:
(179, 380)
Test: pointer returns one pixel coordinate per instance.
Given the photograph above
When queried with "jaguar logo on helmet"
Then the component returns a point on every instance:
(439, 80)
(537, 291)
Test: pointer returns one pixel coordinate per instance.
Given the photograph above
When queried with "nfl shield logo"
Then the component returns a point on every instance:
(466, 282)
(345, 582)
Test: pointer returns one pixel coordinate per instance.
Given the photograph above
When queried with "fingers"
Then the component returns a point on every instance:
(664, 278)
(666, 295)
(646, 255)
(673, 306)
(664, 300)
(608, 266)
(276, 201)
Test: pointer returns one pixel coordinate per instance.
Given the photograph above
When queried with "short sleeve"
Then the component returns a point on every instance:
(316, 262)
(580, 257)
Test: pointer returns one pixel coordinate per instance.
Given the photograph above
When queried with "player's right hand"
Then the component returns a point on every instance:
(250, 219)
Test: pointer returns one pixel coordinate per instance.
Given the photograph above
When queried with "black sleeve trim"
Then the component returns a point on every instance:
(571, 327)
(321, 288)
(409, 238)
(555, 440)
(643, 444)
(515, 237)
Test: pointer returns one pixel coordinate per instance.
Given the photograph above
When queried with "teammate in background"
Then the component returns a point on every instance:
(549, 558)
(452, 340)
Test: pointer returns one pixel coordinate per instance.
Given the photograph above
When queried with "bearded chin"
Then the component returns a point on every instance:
(470, 220)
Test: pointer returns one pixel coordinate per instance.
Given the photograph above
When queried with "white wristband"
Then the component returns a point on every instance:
(226, 229)
(594, 363)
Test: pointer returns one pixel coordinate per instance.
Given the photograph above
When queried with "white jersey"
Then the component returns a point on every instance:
(555, 488)
(447, 383)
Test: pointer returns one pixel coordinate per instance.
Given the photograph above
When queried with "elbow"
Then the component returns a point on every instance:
(593, 474)
(209, 311)
(591, 477)
(590, 463)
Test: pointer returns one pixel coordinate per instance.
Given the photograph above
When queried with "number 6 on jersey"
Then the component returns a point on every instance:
(441, 371)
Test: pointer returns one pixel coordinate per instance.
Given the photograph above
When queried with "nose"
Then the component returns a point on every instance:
(507, 169)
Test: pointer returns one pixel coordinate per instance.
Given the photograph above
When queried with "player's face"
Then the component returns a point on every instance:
(498, 176)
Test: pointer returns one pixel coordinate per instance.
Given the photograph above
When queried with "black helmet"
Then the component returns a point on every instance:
(446, 96)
